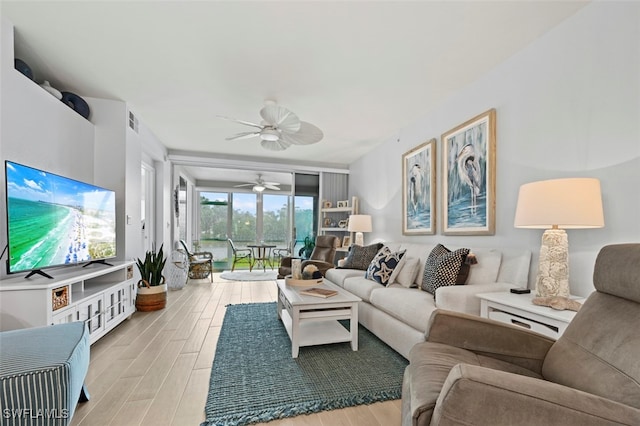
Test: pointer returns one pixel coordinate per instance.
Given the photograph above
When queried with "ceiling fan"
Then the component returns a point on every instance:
(280, 128)
(260, 185)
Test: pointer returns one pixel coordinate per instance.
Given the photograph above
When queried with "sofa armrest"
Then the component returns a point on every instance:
(462, 298)
(489, 338)
(485, 395)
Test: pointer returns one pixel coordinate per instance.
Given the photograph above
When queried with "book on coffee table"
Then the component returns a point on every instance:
(319, 292)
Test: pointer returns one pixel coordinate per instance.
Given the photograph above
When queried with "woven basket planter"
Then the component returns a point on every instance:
(151, 298)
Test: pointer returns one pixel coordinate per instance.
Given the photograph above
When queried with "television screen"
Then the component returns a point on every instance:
(54, 221)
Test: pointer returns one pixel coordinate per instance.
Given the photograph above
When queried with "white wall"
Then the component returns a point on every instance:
(567, 105)
(38, 130)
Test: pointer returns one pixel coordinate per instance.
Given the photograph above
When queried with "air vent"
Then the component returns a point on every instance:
(133, 122)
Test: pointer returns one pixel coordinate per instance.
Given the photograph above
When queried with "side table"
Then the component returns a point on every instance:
(518, 309)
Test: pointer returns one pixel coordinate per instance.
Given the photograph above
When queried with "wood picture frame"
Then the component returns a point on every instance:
(419, 190)
(346, 241)
(469, 177)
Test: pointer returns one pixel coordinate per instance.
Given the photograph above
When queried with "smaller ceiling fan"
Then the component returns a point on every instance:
(280, 128)
(260, 185)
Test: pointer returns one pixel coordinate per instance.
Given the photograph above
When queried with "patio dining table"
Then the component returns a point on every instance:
(261, 255)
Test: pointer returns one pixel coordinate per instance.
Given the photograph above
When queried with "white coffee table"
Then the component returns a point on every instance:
(313, 320)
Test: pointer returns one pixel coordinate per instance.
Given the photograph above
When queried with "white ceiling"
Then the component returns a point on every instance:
(359, 70)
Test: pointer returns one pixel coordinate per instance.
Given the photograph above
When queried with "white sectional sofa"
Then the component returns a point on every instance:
(398, 315)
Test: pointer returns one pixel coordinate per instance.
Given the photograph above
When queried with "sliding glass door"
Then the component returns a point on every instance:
(246, 218)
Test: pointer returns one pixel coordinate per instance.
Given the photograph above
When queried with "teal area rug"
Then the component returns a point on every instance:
(254, 379)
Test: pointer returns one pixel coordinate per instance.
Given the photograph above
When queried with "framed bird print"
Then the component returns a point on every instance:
(469, 177)
(419, 190)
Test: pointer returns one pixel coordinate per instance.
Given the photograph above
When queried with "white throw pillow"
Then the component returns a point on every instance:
(487, 268)
(407, 273)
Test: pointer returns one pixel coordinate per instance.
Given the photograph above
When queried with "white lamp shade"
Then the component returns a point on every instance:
(359, 223)
(571, 203)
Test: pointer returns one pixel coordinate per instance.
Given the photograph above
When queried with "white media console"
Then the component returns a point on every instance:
(100, 295)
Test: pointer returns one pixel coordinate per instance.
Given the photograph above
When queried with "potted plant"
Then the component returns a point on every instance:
(307, 247)
(152, 289)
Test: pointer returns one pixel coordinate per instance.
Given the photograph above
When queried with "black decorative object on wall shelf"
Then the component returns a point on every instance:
(76, 103)
(22, 66)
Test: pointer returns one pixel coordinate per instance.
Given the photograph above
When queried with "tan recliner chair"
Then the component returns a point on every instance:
(323, 255)
(474, 371)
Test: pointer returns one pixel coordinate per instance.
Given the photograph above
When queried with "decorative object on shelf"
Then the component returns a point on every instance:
(55, 92)
(326, 222)
(558, 303)
(469, 177)
(76, 103)
(326, 204)
(346, 241)
(419, 190)
(343, 204)
(556, 205)
(307, 247)
(152, 289)
(343, 223)
(22, 66)
(359, 223)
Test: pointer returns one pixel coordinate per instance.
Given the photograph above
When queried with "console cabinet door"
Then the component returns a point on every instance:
(91, 311)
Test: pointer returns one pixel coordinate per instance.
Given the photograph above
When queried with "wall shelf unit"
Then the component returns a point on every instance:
(100, 295)
(331, 217)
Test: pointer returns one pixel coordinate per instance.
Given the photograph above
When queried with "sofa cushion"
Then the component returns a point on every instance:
(383, 264)
(338, 275)
(360, 257)
(410, 305)
(361, 287)
(442, 267)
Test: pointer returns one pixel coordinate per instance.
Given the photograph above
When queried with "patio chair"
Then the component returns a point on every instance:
(240, 254)
(200, 263)
(284, 252)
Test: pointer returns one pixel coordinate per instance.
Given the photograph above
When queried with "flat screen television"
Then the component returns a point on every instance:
(54, 221)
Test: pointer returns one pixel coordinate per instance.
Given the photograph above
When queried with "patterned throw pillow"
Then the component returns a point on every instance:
(360, 257)
(383, 265)
(442, 268)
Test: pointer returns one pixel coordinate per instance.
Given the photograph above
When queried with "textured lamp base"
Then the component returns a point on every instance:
(553, 268)
(359, 239)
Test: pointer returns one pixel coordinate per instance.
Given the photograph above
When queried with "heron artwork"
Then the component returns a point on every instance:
(469, 172)
(416, 191)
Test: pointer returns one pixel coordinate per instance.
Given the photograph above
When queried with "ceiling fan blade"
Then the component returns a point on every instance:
(246, 123)
(278, 145)
(275, 188)
(244, 184)
(281, 118)
(271, 183)
(307, 135)
(243, 135)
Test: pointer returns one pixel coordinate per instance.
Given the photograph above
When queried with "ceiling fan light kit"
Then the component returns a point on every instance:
(260, 185)
(280, 129)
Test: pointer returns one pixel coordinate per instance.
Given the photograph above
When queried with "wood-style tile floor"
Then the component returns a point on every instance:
(154, 368)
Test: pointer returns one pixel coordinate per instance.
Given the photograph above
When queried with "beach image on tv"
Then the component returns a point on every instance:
(54, 220)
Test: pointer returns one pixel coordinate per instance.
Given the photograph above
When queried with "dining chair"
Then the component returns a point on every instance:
(240, 254)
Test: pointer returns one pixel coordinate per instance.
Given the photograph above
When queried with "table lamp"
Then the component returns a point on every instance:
(556, 205)
(359, 223)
